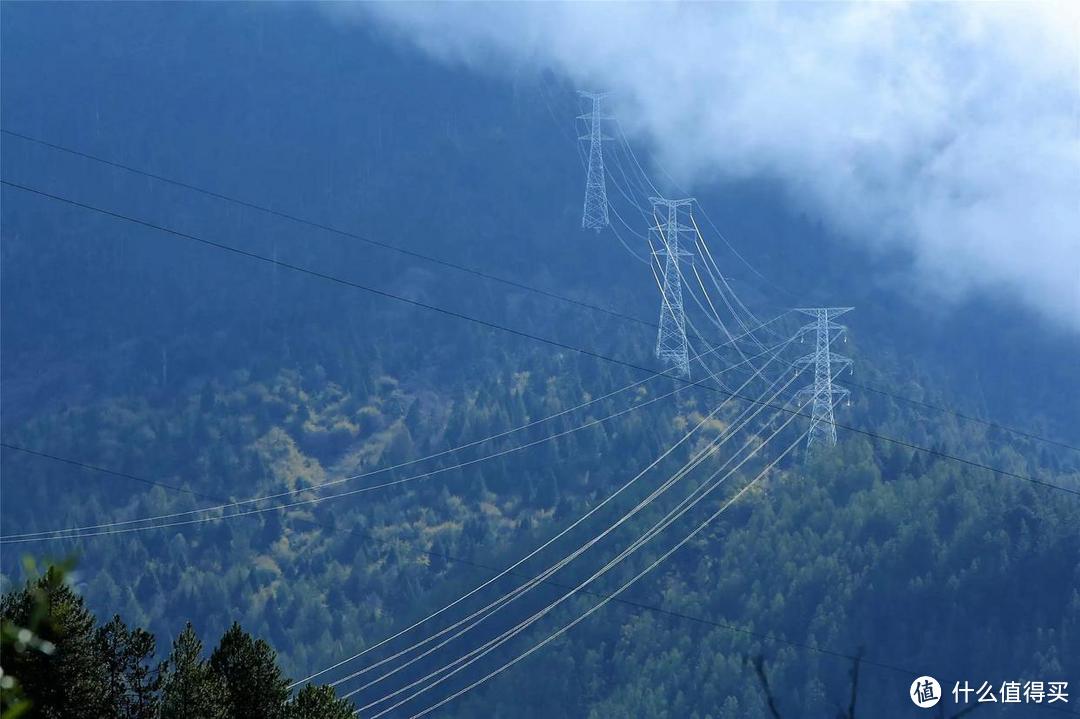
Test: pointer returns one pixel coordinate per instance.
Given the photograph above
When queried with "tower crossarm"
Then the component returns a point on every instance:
(806, 394)
(835, 330)
(661, 230)
(664, 252)
(828, 311)
(839, 362)
(811, 392)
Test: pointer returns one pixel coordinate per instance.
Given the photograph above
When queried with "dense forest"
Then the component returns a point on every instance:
(147, 376)
(60, 662)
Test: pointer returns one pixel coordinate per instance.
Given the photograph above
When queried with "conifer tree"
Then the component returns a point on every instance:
(190, 689)
(132, 681)
(319, 702)
(69, 681)
(255, 686)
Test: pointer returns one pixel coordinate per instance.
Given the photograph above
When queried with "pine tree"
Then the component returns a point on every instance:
(255, 685)
(132, 683)
(319, 702)
(190, 689)
(69, 681)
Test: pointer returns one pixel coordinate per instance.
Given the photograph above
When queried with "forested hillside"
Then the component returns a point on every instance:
(60, 662)
(149, 376)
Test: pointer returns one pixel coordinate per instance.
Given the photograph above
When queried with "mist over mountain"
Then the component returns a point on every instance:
(931, 128)
(452, 134)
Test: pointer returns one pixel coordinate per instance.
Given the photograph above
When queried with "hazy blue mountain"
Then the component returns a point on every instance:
(163, 358)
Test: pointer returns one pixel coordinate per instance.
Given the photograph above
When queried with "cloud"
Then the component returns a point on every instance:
(948, 129)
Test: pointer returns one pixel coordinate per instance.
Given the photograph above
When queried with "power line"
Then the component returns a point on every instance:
(566, 627)
(144, 523)
(699, 456)
(492, 325)
(694, 498)
(630, 150)
(961, 415)
(487, 568)
(519, 333)
(330, 228)
(66, 532)
(994, 425)
(95, 468)
(478, 273)
(468, 562)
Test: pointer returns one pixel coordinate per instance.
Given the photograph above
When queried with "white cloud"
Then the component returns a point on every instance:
(951, 129)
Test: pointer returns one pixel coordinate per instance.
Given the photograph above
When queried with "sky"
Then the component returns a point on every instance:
(948, 130)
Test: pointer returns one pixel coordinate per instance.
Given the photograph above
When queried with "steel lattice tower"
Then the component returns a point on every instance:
(595, 213)
(825, 361)
(671, 344)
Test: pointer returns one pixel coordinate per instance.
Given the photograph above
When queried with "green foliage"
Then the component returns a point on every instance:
(108, 671)
(869, 544)
(133, 681)
(191, 688)
(256, 687)
(229, 378)
(19, 636)
(318, 702)
(67, 681)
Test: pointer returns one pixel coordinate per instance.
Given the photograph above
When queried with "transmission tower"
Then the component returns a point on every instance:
(824, 395)
(671, 344)
(595, 214)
